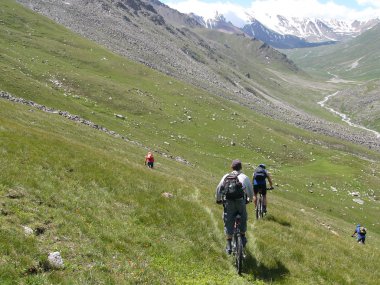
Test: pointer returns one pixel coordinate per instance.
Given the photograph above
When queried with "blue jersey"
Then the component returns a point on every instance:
(360, 235)
(259, 182)
(259, 176)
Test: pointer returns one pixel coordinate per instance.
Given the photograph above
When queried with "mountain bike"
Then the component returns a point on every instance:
(260, 205)
(237, 246)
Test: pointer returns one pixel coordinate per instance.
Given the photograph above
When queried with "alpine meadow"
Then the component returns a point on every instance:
(77, 117)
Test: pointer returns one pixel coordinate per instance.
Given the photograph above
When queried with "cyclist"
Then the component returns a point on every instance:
(234, 205)
(149, 160)
(260, 175)
(360, 232)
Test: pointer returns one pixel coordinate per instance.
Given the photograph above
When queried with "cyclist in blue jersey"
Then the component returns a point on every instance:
(360, 233)
(260, 176)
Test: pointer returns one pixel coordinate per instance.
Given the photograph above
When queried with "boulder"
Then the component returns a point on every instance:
(55, 260)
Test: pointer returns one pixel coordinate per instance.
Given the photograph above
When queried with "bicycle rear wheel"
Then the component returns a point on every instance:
(259, 208)
(239, 254)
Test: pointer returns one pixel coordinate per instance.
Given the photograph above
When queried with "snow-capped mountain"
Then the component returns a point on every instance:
(290, 32)
(315, 30)
(278, 40)
(219, 22)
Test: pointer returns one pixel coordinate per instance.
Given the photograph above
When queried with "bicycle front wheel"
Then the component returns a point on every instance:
(239, 255)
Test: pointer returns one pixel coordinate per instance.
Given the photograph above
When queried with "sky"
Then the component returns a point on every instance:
(236, 10)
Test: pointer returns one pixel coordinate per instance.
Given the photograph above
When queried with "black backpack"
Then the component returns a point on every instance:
(260, 174)
(232, 188)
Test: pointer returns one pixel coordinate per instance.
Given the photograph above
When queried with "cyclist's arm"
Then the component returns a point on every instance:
(218, 194)
(248, 187)
(269, 180)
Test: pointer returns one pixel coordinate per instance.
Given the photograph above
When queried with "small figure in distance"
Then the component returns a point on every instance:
(234, 191)
(360, 232)
(259, 184)
(149, 160)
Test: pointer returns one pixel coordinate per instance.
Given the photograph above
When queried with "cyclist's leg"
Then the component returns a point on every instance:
(264, 192)
(255, 191)
(242, 208)
(229, 215)
(229, 221)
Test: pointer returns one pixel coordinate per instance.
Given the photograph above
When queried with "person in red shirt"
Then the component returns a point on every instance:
(149, 160)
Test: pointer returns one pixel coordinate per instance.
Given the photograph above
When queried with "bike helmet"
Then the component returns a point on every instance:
(262, 166)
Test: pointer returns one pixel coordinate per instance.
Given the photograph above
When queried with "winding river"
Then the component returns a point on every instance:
(344, 117)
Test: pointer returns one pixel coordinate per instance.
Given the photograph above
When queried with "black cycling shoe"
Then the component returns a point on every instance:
(229, 246)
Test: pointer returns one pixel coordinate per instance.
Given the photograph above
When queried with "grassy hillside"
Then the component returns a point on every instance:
(356, 59)
(89, 196)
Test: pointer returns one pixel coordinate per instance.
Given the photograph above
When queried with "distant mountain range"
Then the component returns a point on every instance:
(284, 33)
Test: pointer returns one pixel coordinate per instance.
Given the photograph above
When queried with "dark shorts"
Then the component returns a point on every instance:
(260, 188)
(150, 164)
(231, 209)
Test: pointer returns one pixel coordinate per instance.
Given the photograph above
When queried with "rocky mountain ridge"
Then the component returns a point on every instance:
(290, 32)
(315, 30)
(164, 39)
(219, 22)
(277, 40)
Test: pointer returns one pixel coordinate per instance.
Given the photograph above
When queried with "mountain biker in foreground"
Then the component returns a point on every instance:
(260, 175)
(360, 231)
(234, 191)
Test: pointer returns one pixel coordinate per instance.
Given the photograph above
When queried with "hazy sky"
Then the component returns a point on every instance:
(236, 10)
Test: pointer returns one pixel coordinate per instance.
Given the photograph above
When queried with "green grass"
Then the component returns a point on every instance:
(104, 211)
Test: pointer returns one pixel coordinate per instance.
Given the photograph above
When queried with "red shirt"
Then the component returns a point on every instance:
(149, 158)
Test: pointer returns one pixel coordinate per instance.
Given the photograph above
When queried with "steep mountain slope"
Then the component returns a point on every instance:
(139, 30)
(83, 191)
(356, 62)
(154, 35)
